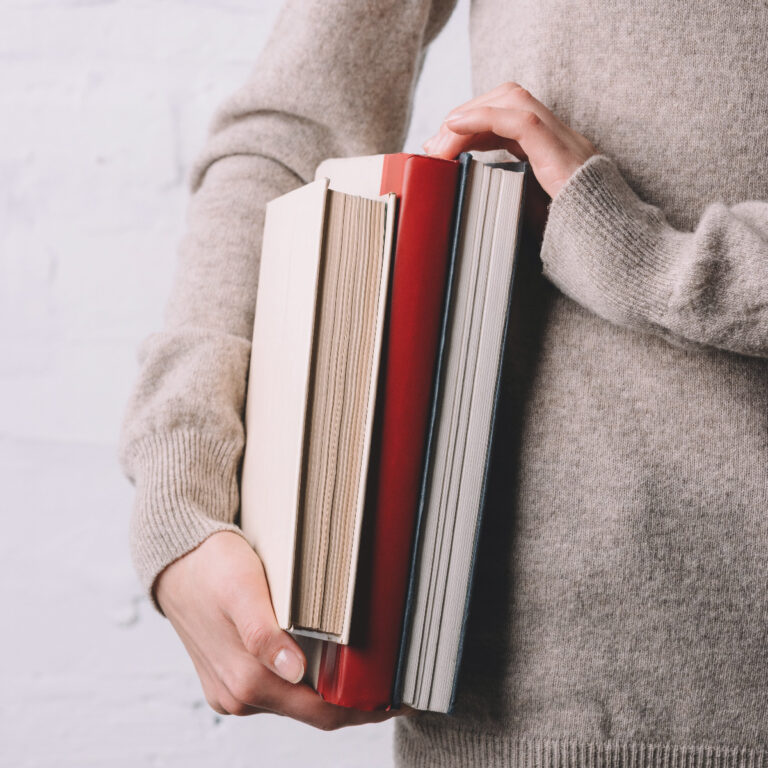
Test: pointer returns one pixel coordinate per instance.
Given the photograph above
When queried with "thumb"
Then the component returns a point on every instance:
(250, 610)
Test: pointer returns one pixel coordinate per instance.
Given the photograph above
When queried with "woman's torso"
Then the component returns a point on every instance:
(621, 592)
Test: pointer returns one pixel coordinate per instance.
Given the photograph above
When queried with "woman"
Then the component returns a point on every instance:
(619, 613)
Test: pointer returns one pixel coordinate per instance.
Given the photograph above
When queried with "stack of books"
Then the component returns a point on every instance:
(379, 331)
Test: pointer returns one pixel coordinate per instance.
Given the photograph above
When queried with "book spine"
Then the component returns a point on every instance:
(362, 674)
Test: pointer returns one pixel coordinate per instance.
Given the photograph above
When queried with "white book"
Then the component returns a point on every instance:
(317, 337)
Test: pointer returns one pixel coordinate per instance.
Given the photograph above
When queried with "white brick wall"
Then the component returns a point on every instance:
(103, 105)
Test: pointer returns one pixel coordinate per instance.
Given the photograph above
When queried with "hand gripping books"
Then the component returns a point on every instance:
(378, 338)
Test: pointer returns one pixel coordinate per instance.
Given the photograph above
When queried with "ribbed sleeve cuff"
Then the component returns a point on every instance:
(186, 490)
(607, 249)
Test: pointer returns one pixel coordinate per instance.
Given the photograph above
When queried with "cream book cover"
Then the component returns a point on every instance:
(311, 398)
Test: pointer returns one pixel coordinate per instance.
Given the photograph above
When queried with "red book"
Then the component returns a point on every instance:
(362, 673)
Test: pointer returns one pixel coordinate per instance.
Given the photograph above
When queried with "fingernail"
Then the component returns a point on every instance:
(430, 147)
(288, 665)
(427, 145)
(455, 117)
(439, 146)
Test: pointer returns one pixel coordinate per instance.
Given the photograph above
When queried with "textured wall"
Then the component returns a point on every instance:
(103, 105)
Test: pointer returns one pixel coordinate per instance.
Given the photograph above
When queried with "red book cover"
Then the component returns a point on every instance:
(362, 673)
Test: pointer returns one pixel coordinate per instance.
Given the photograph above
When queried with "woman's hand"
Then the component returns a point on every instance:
(217, 599)
(509, 117)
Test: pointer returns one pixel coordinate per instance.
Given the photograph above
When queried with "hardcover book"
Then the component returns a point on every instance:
(312, 385)
(362, 673)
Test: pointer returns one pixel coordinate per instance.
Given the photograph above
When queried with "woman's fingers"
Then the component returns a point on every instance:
(488, 97)
(454, 144)
(519, 132)
(554, 154)
(508, 96)
(522, 126)
(217, 599)
(249, 608)
(510, 117)
(303, 703)
(247, 685)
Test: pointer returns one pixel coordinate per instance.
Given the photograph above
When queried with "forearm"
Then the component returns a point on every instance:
(183, 436)
(616, 255)
(619, 258)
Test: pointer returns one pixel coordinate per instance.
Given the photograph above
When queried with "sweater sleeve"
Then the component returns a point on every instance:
(619, 257)
(336, 78)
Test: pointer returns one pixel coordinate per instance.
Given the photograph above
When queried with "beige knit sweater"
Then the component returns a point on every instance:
(620, 615)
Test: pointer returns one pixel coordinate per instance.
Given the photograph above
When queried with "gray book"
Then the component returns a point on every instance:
(486, 236)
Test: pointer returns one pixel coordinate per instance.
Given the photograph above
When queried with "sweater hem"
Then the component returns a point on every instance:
(429, 746)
